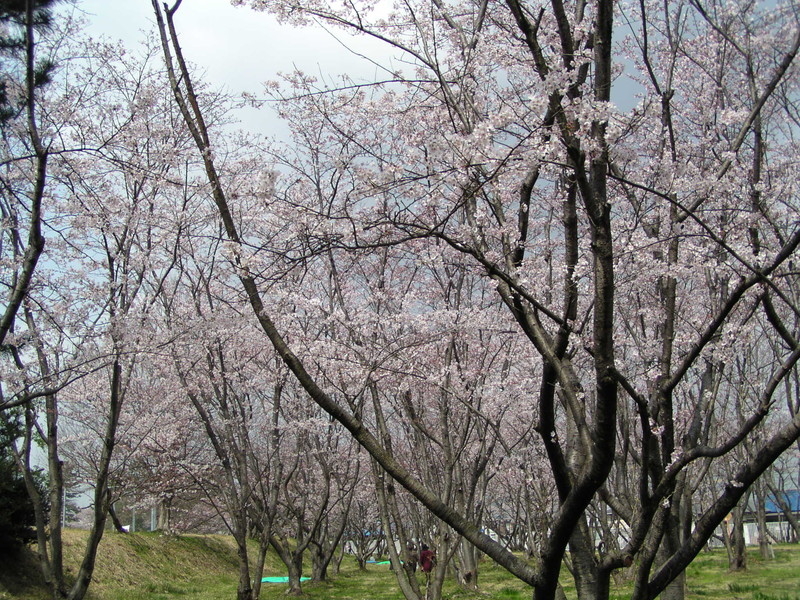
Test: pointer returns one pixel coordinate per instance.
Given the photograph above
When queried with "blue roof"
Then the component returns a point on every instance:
(790, 497)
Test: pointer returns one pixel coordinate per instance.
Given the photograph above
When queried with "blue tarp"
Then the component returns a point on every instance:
(790, 497)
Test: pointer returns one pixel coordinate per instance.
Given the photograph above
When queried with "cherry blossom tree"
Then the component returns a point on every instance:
(363, 538)
(317, 474)
(237, 407)
(636, 250)
(87, 307)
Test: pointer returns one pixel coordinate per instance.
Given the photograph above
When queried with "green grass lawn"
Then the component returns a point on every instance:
(708, 576)
(708, 579)
(145, 566)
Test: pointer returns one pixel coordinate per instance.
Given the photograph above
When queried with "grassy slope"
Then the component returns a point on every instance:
(154, 567)
(138, 566)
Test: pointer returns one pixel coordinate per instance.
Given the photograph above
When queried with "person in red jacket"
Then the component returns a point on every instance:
(427, 559)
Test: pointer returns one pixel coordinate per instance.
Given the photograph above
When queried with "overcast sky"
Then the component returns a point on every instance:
(239, 49)
(235, 47)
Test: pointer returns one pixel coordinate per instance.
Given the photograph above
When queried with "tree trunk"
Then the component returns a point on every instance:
(324, 548)
(165, 515)
(293, 559)
(102, 495)
(51, 578)
(244, 591)
(295, 565)
(115, 520)
(737, 552)
(258, 570)
(434, 582)
(467, 565)
(673, 538)
(764, 545)
(407, 581)
(84, 576)
(319, 563)
(584, 565)
(389, 513)
(676, 589)
(337, 559)
(55, 568)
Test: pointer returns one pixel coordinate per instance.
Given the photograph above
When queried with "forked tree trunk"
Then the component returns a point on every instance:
(319, 563)
(295, 566)
(293, 559)
(51, 577)
(323, 548)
